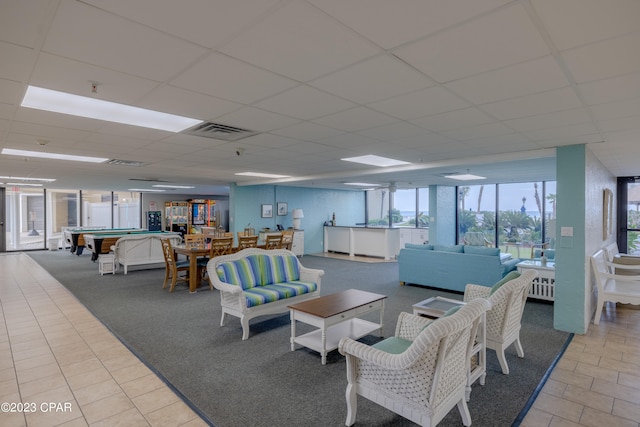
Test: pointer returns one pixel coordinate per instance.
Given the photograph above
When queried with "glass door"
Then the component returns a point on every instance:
(628, 217)
(3, 229)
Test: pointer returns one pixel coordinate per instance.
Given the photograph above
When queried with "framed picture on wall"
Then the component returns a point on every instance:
(607, 214)
(267, 211)
(282, 208)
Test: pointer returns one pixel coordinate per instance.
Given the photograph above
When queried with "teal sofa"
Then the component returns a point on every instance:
(452, 267)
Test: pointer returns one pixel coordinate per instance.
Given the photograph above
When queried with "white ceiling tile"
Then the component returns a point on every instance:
(307, 131)
(484, 44)
(454, 119)
(16, 62)
(373, 80)
(214, 22)
(526, 78)
(389, 25)
(622, 124)
(549, 120)
(304, 102)
(296, 40)
(609, 58)
(11, 93)
(547, 102)
(613, 89)
(256, 120)
(170, 99)
(106, 40)
(422, 103)
(481, 131)
(572, 23)
(563, 132)
(616, 110)
(355, 119)
(19, 21)
(223, 77)
(394, 131)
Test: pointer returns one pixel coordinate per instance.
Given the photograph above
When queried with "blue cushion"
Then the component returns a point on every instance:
(416, 246)
(393, 345)
(279, 268)
(444, 248)
(265, 294)
(480, 250)
(242, 272)
(510, 276)
(452, 310)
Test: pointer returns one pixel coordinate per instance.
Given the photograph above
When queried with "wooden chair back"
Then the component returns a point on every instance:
(172, 268)
(245, 242)
(221, 246)
(273, 241)
(194, 241)
(287, 239)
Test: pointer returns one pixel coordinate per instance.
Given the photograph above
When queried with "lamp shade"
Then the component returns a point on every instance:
(297, 214)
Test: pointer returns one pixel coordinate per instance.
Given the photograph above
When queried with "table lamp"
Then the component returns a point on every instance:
(297, 215)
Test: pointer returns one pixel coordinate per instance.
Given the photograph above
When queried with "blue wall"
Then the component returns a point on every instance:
(318, 206)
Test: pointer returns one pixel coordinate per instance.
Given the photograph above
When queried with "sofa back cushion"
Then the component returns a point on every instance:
(244, 272)
(481, 250)
(278, 269)
(416, 246)
(444, 248)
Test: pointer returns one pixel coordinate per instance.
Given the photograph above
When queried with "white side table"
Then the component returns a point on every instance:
(543, 286)
(106, 264)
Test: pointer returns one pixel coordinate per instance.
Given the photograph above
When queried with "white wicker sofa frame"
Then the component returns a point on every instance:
(141, 249)
(236, 302)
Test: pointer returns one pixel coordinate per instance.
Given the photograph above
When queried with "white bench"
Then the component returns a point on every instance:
(613, 287)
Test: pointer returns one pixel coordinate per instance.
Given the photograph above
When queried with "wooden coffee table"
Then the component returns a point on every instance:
(335, 316)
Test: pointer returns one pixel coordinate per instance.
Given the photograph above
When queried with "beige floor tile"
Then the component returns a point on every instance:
(536, 418)
(173, 415)
(155, 400)
(97, 391)
(594, 418)
(597, 372)
(142, 385)
(561, 407)
(626, 410)
(630, 380)
(107, 407)
(570, 377)
(618, 391)
(130, 418)
(588, 398)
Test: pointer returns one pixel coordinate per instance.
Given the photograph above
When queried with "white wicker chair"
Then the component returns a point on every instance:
(428, 379)
(615, 288)
(504, 318)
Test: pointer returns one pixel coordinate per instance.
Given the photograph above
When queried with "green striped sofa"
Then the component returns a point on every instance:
(255, 282)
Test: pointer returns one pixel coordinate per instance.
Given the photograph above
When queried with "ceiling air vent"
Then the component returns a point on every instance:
(219, 131)
(123, 162)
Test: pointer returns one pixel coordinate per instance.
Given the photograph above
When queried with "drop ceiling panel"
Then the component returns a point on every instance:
(355, 119)
(454, 119)
(573, 23)
(480, 131)
(256, 119)
(422, 103)
(213, 22)
(19, 21)
(615, 110)
(115, 43)
(16, 62)
(307, 131)
(606, 59)
(613, 89)
(395, 131)
(550, 120)
(170, 99)
(374, 79)
(477, 46)
(389, 25)
(546, 102)
(527, 78)
(304, 102)
(220, 76)
(295, 41)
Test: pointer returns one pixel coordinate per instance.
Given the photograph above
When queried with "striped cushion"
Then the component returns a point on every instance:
(243, 272)
(265, 294)
(279, 269)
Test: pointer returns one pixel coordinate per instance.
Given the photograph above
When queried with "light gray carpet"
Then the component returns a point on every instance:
(260, 382)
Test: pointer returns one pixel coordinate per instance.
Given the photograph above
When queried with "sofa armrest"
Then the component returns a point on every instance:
(509, 265)
(472, 292)
(311, 275)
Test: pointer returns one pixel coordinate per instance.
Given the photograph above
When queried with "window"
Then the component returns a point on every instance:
(477, 215)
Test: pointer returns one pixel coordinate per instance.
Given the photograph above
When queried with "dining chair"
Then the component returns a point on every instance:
(220, 246)
(273, 241)
(245, 242)
(173, 267)
(194, 241)
(287, 239)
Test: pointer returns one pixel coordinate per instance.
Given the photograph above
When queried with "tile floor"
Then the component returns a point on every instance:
(66, 367)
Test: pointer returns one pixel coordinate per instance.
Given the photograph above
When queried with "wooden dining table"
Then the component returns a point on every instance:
(192, 255)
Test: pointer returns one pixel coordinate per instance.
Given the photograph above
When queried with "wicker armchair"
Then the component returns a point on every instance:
(425, 381)
(504, 318)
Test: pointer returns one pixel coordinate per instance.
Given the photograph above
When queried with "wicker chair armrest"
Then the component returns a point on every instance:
(472, 292)
(310, 274)
(348, 347)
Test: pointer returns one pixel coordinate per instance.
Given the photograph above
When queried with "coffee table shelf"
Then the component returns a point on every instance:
(353, 328)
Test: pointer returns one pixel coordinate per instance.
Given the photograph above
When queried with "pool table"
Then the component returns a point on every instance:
(75, 236)
(100, 243)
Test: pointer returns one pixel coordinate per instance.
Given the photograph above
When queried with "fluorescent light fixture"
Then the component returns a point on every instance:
(20, 178)
(262, 175)
(56, 156)
(373, 160)
(362, 184)
(172, 186)
(75, 105)
(465, 177)
(24, 184)
(146, 190)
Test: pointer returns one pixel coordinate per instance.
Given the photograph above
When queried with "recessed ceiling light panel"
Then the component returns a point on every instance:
(373, 160)
(55, 156)
(465, 177)
(262, 175)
